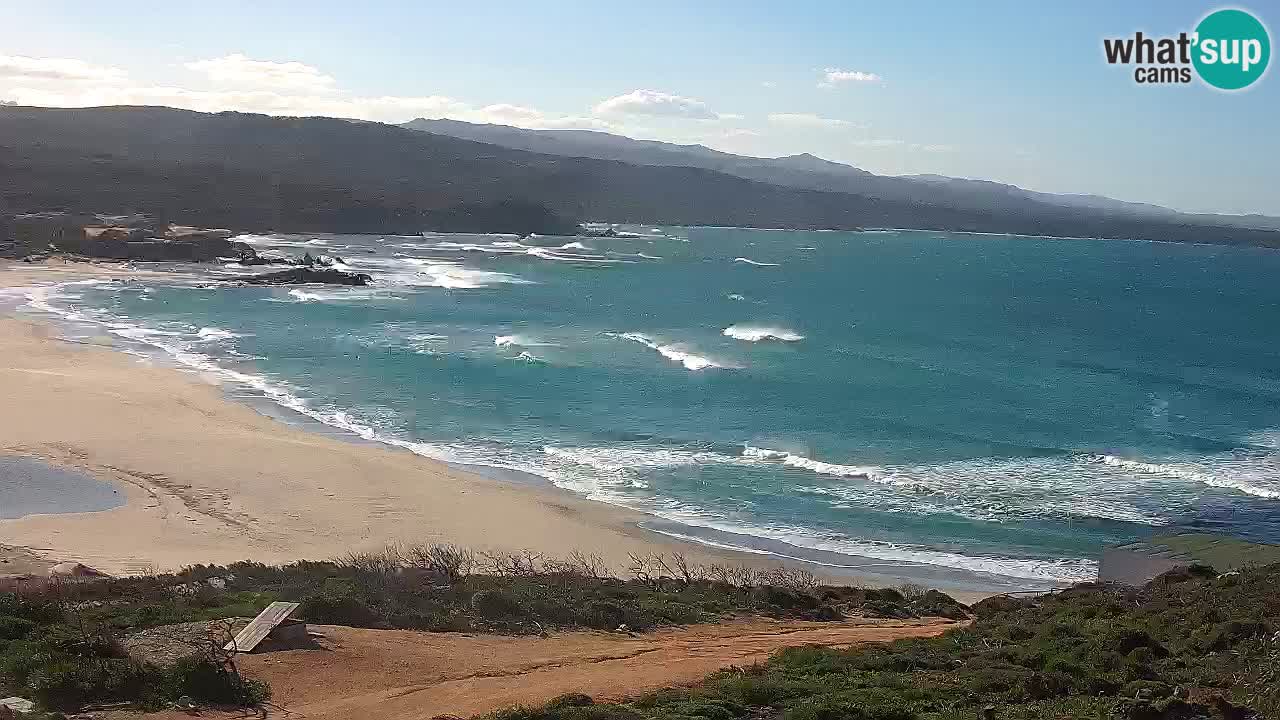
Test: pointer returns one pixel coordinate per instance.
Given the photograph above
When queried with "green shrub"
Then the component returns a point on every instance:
(570, 700)
(205, 681)
(338, 607)
(15, 628)
(495, 604)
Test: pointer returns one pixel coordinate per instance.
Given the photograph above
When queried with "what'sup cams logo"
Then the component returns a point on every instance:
(1228, 50)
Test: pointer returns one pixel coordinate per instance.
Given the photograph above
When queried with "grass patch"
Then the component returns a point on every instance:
(1189, 645)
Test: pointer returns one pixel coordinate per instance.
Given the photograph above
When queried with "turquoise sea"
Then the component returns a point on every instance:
(985, 409)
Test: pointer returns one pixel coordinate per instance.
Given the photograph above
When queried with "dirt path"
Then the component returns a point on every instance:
(399, 675)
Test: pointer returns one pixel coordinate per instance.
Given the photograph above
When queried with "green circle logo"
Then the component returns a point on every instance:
(1232, 49)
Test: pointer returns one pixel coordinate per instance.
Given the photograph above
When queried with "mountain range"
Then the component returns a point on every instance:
(815, 173)
(257, 172)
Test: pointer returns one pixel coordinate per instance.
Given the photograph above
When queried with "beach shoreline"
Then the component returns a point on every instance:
(207, 479)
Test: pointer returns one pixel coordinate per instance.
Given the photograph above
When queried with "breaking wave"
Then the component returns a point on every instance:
(755, 333)
(674, 353)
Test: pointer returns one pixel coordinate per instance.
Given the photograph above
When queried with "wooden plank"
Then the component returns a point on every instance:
(261, 627)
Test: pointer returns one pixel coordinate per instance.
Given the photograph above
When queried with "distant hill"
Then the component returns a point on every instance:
(811, 172)
(248, 171)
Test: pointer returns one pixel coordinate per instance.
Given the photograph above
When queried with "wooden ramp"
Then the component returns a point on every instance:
(256, 631)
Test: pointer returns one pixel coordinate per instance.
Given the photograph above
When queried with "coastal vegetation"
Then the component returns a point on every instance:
(1191, 644)
(65, 644)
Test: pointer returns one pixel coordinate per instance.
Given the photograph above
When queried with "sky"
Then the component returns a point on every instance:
(1015, 92)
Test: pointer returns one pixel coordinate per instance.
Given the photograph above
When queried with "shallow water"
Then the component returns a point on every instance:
(991, 407)
(33, 487)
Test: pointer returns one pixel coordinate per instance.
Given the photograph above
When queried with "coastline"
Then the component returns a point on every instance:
(208, 479)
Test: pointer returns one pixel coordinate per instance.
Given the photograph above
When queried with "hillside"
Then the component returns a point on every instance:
(814, 173)
(309, 174)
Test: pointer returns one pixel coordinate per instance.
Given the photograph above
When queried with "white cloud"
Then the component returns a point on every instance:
(835, 76)
(508, 114)
(652, 102)
(236, 70)
(57, 69)
(255, 86)
(576, 123)
(385, 108)
(879, 143)
(887, 143)
(807, 120)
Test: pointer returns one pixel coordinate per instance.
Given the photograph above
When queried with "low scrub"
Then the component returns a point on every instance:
(62, 646)
(1188, 646)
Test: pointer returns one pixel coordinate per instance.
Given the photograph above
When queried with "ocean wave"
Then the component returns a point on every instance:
(1220, 477)
(273, 241)
(452, 276)
(550, 254)
(308, 295)
(816, 466)
(675, 353)
(1056, 571)
(756, 333)
(216, 333)
(749, 261)
(521, 341)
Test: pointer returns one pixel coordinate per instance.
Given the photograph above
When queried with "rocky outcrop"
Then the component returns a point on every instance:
(302, 275)
(249, 257)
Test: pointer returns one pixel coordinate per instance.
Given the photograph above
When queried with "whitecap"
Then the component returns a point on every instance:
(216, 333)
(1058, 571)
(756, 333)
(675, 353)
(816, 466)
(1222, 476)
(307, 295)
(520, 341)
(452, 276)
(749, 261)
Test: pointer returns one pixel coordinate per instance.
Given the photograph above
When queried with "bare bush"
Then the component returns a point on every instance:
(448, 563)
(380, 562)
(523, 563)
(912, 592)
(588, 565)
(797, 579)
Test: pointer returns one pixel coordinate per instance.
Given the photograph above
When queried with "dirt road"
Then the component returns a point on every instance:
(399, 675)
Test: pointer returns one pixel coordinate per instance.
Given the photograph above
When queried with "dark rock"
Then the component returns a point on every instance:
(301, 275)
(248, 256)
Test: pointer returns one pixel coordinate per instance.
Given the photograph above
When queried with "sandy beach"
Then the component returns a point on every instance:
(208, 480)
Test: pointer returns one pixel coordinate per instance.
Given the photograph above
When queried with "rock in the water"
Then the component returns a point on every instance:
(301, 275)
(249, 256)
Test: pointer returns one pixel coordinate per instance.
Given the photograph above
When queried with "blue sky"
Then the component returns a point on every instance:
(1011, 91)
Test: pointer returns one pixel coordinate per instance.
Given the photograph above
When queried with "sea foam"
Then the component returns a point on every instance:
(756, 333)
(675, 353)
